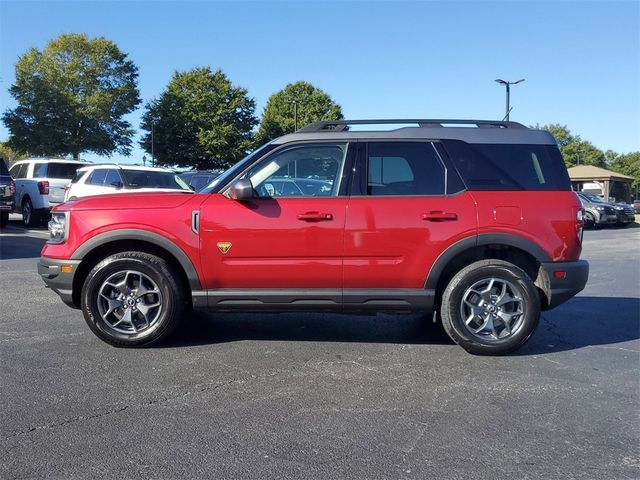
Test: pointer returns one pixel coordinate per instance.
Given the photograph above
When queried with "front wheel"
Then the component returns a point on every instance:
(132, 299)
(490, 307)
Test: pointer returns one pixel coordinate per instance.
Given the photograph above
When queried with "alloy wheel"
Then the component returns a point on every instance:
(492, 309)
(130, 302)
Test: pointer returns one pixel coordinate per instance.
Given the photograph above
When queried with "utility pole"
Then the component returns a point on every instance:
(153, 157)
(508, 85)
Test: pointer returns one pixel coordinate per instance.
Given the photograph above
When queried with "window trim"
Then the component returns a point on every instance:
(363, 175)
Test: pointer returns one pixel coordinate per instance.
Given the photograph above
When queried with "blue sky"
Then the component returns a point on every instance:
(581, 60)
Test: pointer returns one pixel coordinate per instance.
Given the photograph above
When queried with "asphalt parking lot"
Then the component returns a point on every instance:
(321, 396)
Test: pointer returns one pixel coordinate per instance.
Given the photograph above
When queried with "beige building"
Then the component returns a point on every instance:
(611, 184)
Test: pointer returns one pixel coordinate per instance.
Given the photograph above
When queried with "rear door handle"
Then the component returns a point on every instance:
(315, 216)
(439, 216)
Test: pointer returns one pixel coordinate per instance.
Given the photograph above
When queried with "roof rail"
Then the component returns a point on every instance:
(343, 125)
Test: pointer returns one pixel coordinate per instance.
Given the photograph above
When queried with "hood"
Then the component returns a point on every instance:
(129, 201)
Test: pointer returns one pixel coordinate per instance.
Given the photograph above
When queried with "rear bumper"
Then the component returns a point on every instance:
(562, 288)
(61, 282)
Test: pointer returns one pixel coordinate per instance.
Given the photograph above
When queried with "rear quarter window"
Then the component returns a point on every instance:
(509, 166)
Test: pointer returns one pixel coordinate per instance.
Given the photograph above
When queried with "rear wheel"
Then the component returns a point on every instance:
(132, 299)
(490, 307)
(29, 216)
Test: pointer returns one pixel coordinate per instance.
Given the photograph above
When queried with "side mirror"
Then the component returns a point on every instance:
(117, 184)
(241, 189)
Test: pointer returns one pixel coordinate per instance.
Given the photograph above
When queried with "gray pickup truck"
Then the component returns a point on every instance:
(40, 185)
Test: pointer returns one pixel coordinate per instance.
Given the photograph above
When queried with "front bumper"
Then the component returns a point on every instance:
(564, 280)
(606, 219)
(57, 278)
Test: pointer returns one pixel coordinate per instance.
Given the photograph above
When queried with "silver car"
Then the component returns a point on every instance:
(597, 214)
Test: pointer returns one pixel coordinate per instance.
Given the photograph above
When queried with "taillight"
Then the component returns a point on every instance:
(580, 223)
(13, 187)
(43, 187)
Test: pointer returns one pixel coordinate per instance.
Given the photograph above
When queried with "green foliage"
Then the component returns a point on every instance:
(628, 164)
(200, 120)
(72, 97)
(278, 117)
(10, 155)
(575, 150)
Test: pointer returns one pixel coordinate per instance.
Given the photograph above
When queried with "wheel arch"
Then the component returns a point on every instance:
(520, 251)
(108, 243)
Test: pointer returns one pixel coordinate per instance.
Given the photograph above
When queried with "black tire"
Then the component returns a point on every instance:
(4, 219)
(29, 217)
(504, 273)
(170, 298)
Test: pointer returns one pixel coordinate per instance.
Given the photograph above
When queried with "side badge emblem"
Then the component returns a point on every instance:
(224, 246)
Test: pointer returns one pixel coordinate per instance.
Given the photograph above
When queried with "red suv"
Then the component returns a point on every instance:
(472, 220)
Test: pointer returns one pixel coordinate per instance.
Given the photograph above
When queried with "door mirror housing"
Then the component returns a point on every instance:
(241, 189)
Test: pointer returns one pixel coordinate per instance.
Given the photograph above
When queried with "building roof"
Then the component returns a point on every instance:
(589, 172)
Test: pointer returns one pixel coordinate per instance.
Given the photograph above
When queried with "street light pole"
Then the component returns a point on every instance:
(508, 89)
(153, 157)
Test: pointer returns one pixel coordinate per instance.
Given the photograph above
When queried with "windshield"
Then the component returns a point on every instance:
(235, 169)
(593, 198)
(153, 179)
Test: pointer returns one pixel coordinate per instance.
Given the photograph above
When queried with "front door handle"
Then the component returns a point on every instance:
(439, 216)
(314, 216)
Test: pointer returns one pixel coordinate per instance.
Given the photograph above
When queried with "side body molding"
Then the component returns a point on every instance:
(483, 239)
(145, 236)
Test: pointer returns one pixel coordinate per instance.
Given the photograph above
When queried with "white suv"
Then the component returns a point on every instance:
(107, 179)
(40, 185)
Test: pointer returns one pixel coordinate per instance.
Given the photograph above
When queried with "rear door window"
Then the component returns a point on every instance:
(112, 177)
(97, 177)
(39, 170)
(404, 168)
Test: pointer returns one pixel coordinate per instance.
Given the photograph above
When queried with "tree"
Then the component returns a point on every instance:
(72, 97)
(628, 164)
(200, 120)
(9, 154)
(575, 150)
(312, 105)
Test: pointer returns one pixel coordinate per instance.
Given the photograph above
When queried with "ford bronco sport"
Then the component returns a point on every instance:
(474, 221)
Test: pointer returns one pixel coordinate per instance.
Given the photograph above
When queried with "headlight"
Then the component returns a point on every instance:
(59, 227)
(600, 209)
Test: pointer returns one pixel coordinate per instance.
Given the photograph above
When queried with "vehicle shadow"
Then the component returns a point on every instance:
(581, 322)
(213, 327)
(20, 246)
(586, 321)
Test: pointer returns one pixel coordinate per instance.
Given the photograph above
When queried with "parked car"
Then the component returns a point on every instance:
(597, 214)
(40, 185)
(296, 187)
(476, 225)
(624, 213)
(7, 193)
(107, 179)
(198, 179)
